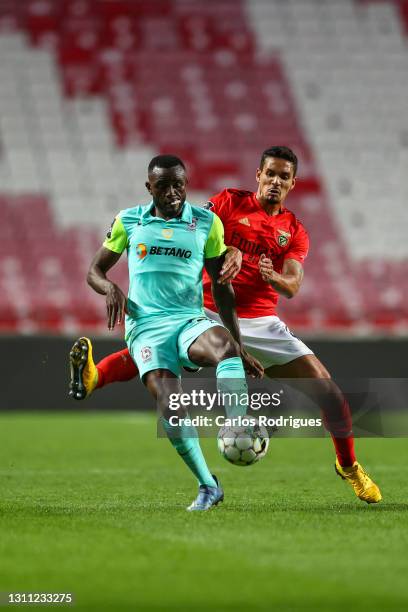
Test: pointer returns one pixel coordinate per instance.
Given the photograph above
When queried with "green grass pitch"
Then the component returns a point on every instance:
(94, 504)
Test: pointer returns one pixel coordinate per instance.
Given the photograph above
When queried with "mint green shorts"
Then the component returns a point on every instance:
(163, 343)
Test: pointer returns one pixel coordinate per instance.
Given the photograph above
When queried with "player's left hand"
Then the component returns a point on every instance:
(231, 267)
(251, 365)
(266, 268)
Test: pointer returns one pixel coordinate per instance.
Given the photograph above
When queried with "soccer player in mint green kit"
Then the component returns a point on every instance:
(168, 242)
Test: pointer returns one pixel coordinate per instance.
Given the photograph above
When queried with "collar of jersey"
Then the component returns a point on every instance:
(186, 215)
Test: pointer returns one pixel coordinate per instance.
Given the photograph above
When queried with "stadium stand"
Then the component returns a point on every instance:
(91, 90)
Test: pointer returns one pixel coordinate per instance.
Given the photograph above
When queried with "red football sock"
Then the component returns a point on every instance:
(117, 367)
(344, 450)
(338, 421)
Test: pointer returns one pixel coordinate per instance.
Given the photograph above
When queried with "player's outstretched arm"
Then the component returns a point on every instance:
(224, 298)
(288, 283)
(103, 261)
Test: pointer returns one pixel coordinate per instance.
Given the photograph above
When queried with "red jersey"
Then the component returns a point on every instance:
(249, 228)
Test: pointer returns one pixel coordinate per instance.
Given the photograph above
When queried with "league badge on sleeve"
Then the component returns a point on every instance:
(109, 232)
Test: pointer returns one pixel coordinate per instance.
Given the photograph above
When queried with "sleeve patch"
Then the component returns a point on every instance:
(116, 238)
(109, 232)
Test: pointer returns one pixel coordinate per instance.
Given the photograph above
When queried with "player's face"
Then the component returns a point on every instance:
(168, 189)
(275, 180)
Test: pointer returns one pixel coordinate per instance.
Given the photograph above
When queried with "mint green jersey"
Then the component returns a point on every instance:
(165, 259)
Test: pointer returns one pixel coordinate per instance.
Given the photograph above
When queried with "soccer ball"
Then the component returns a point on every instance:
(243, 445)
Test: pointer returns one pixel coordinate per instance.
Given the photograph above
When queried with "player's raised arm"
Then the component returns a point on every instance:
(105, 258)
(288, 282)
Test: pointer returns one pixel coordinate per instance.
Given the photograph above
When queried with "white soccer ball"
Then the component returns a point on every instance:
(243, 445)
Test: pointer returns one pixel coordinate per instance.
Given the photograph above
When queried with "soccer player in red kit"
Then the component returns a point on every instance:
(274, 245)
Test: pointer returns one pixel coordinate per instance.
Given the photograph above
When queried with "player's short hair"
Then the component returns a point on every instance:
(165, 161)
(280, 153)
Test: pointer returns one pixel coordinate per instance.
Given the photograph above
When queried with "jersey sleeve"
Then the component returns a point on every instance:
(214, 247)
(299, 247)
(219, 204)
(116, 239)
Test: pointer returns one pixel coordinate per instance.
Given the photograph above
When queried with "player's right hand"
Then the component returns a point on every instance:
(251, 365)
(266, 268)
(115, 305)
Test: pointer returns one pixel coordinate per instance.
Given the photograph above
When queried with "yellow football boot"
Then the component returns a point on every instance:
(363, 486)
(84, 375)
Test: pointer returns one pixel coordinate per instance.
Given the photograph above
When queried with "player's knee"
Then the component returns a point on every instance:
(323, 373)
(228, 349)
(163, 387)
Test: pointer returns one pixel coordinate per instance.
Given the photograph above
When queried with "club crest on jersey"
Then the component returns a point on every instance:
(146, 353)
(193, 225)
(167, 232)
(283, 238)
(141, 250)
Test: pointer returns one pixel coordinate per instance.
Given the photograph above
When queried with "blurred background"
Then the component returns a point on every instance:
(90, 90)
